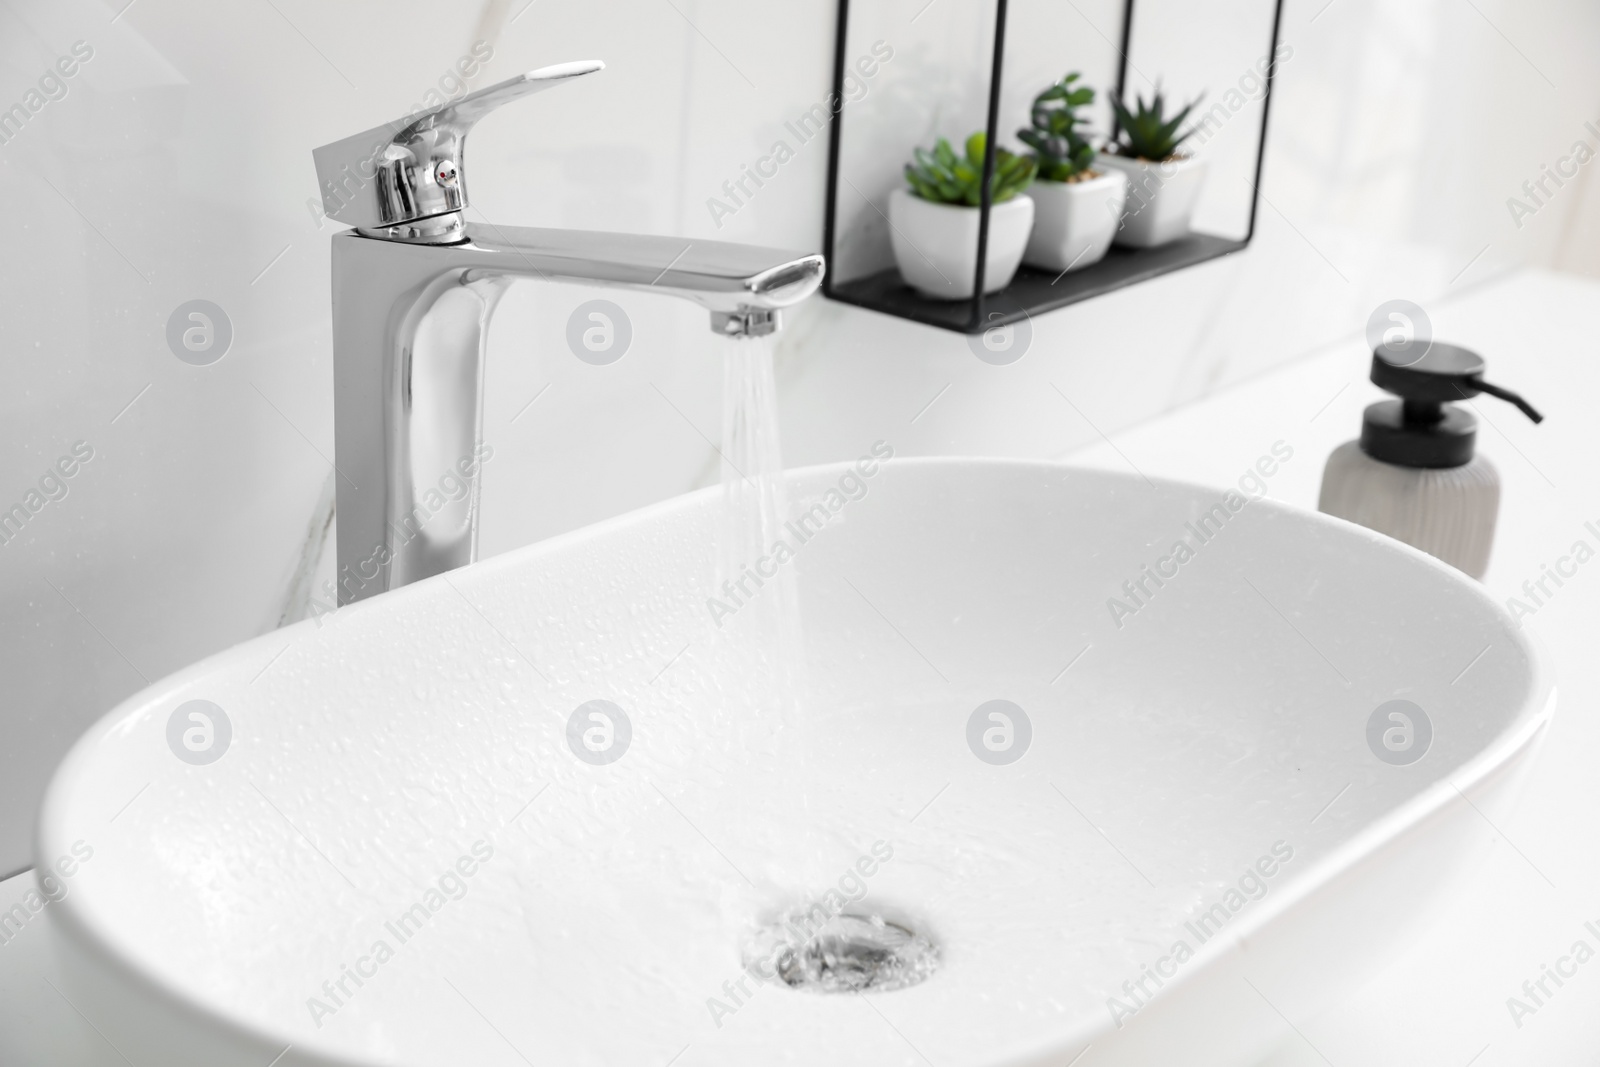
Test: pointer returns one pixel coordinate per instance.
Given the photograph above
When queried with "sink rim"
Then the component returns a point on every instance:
(1526, 724)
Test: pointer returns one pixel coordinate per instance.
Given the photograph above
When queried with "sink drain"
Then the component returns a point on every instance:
(848, 953)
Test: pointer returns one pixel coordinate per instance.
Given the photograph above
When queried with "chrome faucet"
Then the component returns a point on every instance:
(414, 288)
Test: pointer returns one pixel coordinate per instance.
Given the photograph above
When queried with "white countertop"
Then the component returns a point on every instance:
(1445, 1001)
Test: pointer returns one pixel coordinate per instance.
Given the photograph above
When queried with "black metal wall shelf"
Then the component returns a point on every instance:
(1031, 291)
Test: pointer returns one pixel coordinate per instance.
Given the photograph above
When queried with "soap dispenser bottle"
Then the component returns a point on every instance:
(1412, 474)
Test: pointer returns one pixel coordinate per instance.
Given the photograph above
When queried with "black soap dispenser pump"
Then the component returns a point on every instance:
(1413, 474)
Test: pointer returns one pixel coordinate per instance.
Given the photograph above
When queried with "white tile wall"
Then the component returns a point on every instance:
(177, 166)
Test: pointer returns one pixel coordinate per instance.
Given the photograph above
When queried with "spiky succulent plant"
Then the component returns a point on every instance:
(946, 178)
(1057, 133)
(1147, 133)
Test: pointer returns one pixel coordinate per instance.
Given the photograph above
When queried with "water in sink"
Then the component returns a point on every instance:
(850, 952)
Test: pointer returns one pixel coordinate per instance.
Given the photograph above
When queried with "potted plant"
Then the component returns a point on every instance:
(934, 224)
(1163, 184)
(1075, 207)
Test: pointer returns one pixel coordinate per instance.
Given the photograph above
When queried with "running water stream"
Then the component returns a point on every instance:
(760, 587)
(760, 583)
(810, 945)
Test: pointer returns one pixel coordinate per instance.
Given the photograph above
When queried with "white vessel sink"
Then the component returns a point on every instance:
(1212, 751)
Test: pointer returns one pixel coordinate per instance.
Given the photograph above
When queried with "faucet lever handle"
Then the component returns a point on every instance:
(412, 169)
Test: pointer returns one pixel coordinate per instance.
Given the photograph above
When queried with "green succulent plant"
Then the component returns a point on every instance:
(1057, 134)
(1147, 133)
(946, 178)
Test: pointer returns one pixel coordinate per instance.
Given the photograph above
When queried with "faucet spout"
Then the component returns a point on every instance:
(720, 276)
(411, 310)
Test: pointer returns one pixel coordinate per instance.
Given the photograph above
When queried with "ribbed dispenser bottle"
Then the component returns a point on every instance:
(1413, 474)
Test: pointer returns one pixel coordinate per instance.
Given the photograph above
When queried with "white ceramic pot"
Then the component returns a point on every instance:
(936, 245)
(1073, 222)
(1161, 198)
